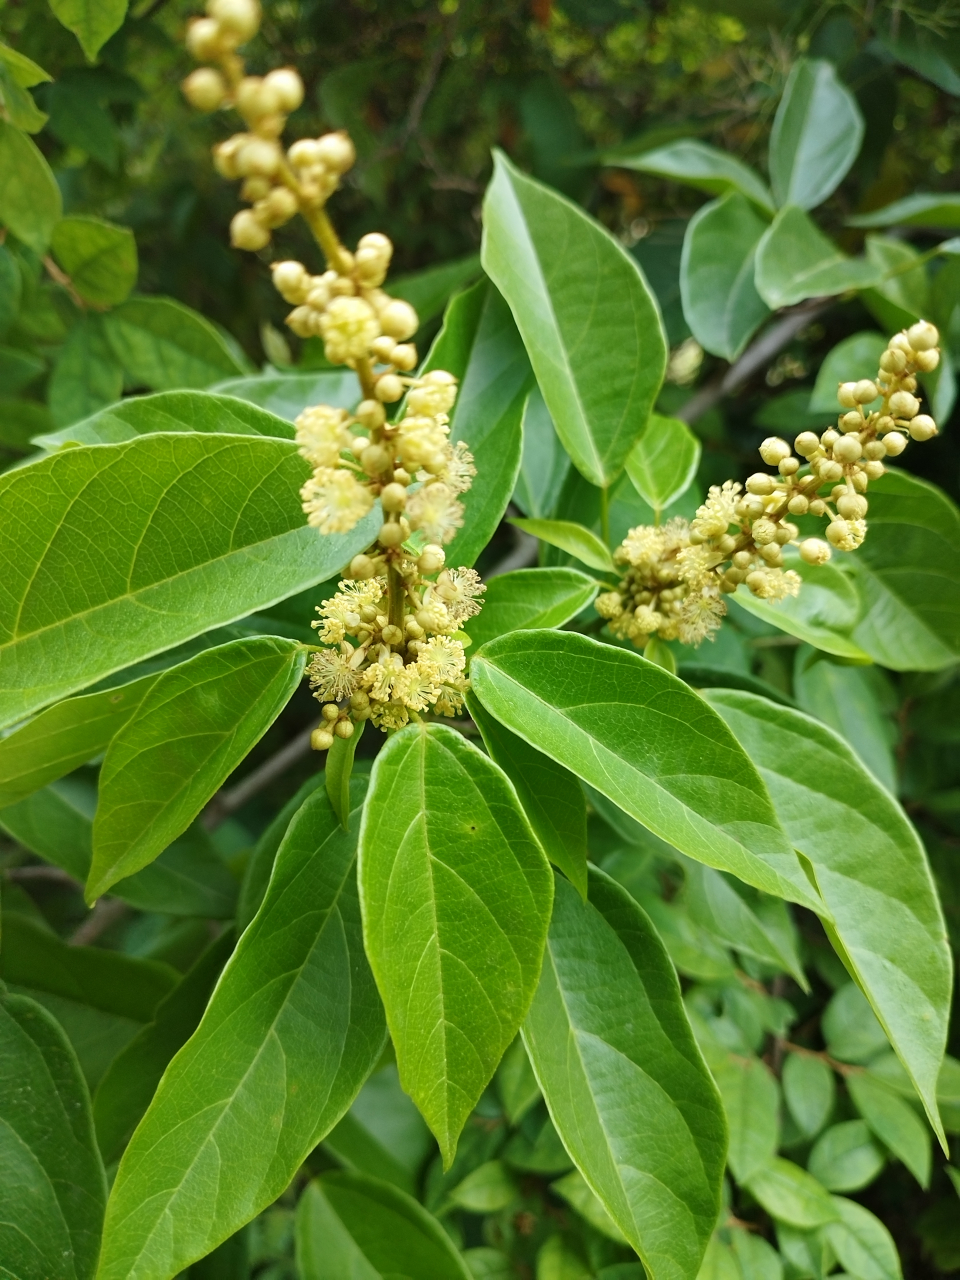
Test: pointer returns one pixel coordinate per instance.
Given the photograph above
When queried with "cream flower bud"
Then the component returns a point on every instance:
(348, 326)
(817, 506)
(847, 449)
(893, 361)
(344, 728)
(927, 361)
(361, 568)
(900, 342)
(203, 39)
(774, 450)
(873, 469)
(830, 471)
(291, 281)
(904, 405)
(370, 414)
(252, 101)
(922, 336)
(247, 233)
(760, 483)
(305, 153)
(321, 740)
(874, 449)
(814, 551)
(258, 156)
(923, 427)
(846, 395)
(404, 356)
(287, 87)
(375, 459)
(280, 206)
(205, 89)
(390, 535)
(764, 531)
(852, 506)
(383, 349)
(225, 155)
(798, 504)
(399, 320)
(393, 498)
(885, 423)
(300, 320)
(336, 152)
(389, 388)
(852, 421)
(240, 17)
(789, 466)
(806, 443)
(865, 391)
(432, 559)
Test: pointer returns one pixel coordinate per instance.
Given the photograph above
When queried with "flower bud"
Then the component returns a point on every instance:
(399, 320)
(846, 395)
(772, 554)
(774, 450)
(330, 711)
(806, 443)
(321, 740)
(798, 504)
(247, 233)
(885, 423)
(383, 349)
(814, 551)
(893, 361)
(390, 535)
(786, 532)
(404, 357)
(847, 449)
(225, 156)
(873, 469)
(904, 405)
(361, 568)
(927, 361)
(838, 532)
(830, 471)
(923, 427)
(852, 421)
(255, 189)
(204, 40)
(817, 506)
(874, 449)
(750, 507)
(370, 414)
(852, 506)
(760, 483)
(375, 459)
(240, 17)
(300, 320)
(922, 336)
(287, 88)
(290, 279)
(432, 559)
(763, 531)
(336, 152)
(900, 342)
(344, 728)
(258, 156)
(865, 391)
(280, 206)
(305, 153)
(205, 89)
(394, 496)
(389, 388)
(392, 634)
(253, 100)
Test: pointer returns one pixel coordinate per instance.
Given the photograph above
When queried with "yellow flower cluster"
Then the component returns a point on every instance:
(677, 574)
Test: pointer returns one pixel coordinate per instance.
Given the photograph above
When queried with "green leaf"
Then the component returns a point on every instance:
(653, 748)
(795, 260)
(337, 771)
(293, 1029)
(758, 1260)
(24, 70)
(34, 957)
(480, 345)
(717, 267)
(664, 461)
(816, 135)
(624, 1081)
(751, 1101)
(383, 1134)
(169, 411)
(576, 539)
(288, 394)
(908, 575)
(129, 1083)
(429, 291)
(349, 1225)
(845, 1157)
(11, 290)
(862, 1244)
(18, 105)
(544, 463)
(99, 257)
(166, 346)
(700, 165)
(196, 723)
(86, 375)
(487, 1189)
(791, 1195)
(904, 297)
(93, 22)
(30, 202)
(851, 700)
(861, 849)
(894, 1122)
(64, 737)
(260, 865)
(456, 900)
(570, 286)
(809, 1092)
(552, 798)
(856, 357)
(516, 1083)
(557, 1261)
(102, 584)
(54, 1184)
(574, 1189)
(530, 598)
(918, 210)
(850, 1027)
(18, 368)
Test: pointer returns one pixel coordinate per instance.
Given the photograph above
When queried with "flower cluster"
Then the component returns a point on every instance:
(391, 629)
(677, 574)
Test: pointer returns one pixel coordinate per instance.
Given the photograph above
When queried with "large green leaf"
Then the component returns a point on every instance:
(648, 742)
(699, 165)
(856, 357)
(587, 317)
(456, 900)
(575, 539)
(544, 463)
(846, 1158)
(664, 461)
(551, 796)
(93, 22)
(30, 202)
(902, 296)
(86, 375)
(751, 1101)
(528, 598)
(918, 210)
(720, 299)
(125, 1091)
(480, 345)
(429, 291)
(170, 411)
(288, 394)
(54, 1187)
(196, 723)
(789, 1194)
(64, 737)
(383, 1134)
(762, 930)
(259, 867)
(94, 584)
(795, 260)
(623, 1078)
(857, 701)
(870, 869)
(351, 1225)
(293, 1029)
(816, 135)
(908, 574)
(166, 346)
(861, 1243)
(99, 257)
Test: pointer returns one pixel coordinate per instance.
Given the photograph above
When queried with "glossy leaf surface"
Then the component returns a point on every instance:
(456, 897)
(862, 850)
(895, 1123)
(93, 22)
(192, 729)
(624, 1081)
(816, 136)
(544, 463)
(288, 394)
(921, 209)
(862, 1243)
(576, 539)
(790, 1194)
(795, 260)
(276, 1061)
(588, 320)
(30, 201)
(166, 346)
(652, 747)
(824, 614)
(95, 585)
(856, 357)
(699, 165)
(530, 598)
(99, 257)
(664, 461)
(751, 1101)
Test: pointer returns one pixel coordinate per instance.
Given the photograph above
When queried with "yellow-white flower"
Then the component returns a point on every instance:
(334, 501)
(436, 511)
(322, 433)
(348, 327)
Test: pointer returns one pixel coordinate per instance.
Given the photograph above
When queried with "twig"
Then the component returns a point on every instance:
(753, 359)
(106, 912)
(61, 278)
(230, 800)
(425, 88)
